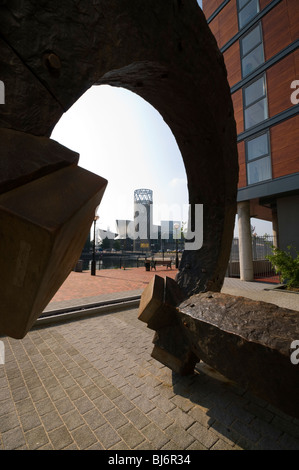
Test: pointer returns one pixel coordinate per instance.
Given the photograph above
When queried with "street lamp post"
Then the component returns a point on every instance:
(176, 226)
(93, 262)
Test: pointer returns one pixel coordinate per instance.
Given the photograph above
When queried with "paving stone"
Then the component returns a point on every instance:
(24, 406)
(203, 435)
(9, 421)
(260, 412)
(116, 418)
(230, 436)
(73, 420)
(138, 418)
(286, 426)
(155, 435)
(171, 445)
(64, 405)
(13, 439)
(67, 382)
(19, 394)
(163, 403)
(121, 445)
(103, 404)
(144, 403)
(39, 393)
(60, 438)
(111, 392)
(83, 404)
(265, 428)
(237, 409)
(184, 403)
(96, 446)
(160, 418)
(101, 381)
(83, 437)
(51, 421)
(123, 404)
(130, 391)
(107, 436)
(287, 442)
(247, 431)
(75, 392)
(36, 438)
(268, 443)
(94, 418)
(130, 435)
(178, 434)
(196, 445)
(44, 406)
(30, 420)
(145, 445)
(180, 417)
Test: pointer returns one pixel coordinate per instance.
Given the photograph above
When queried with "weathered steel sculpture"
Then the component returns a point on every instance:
(50, 54)
(247, 341)
(163, 51)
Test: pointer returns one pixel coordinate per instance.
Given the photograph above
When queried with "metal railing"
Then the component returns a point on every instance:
(261, 248)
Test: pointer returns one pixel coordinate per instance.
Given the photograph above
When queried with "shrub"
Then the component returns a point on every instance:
(287, 265)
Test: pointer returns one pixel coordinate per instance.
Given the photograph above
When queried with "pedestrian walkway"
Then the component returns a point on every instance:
(92, 384)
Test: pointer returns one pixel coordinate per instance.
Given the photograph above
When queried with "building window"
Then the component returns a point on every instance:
(255, 102)
(252, 50)
(258, 158)
(247, 10)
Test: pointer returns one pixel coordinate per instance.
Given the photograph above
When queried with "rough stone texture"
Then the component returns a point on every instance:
(44, 225)
(245, 340)
(164, 52)
(25, 157)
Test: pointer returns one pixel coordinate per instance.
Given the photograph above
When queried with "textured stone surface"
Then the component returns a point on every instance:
(164, 52)
(247, 341)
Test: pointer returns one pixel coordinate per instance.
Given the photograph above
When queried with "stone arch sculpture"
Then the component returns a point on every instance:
(51, 53)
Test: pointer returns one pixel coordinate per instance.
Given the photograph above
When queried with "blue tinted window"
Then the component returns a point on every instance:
(247, 12)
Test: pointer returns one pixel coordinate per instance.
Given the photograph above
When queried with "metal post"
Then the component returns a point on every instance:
(93, 263)
(176, 226)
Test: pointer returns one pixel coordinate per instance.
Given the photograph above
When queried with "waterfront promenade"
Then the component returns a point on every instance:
(90, 383)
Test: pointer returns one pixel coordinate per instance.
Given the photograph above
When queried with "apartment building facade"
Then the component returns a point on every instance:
(259, 40)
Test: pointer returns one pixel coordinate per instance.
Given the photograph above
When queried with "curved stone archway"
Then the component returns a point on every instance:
(51, 53)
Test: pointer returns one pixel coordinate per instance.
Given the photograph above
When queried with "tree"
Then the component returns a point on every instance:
(105, 243)
(116, 245)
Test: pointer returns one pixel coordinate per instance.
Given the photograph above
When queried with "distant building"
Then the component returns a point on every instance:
(143, 207)
(123, 229)
(259, 42)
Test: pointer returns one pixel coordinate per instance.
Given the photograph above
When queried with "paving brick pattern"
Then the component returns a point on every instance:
(92, 384)
(107, 281)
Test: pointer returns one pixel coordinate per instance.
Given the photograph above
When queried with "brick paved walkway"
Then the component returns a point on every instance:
(107, 281)
(92, 384)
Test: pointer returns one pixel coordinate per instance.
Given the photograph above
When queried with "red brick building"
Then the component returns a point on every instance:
(259, 42)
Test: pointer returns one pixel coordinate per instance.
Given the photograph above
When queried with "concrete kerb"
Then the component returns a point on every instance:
(123, 301)
(87, 310)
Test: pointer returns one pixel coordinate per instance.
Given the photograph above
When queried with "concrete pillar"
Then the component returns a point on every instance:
(245, 244)
(275, 228)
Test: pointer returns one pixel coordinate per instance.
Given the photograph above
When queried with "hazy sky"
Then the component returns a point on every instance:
(122, 138)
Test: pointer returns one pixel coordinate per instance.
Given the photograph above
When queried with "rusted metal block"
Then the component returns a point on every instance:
(248, 341)
(44, 225)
